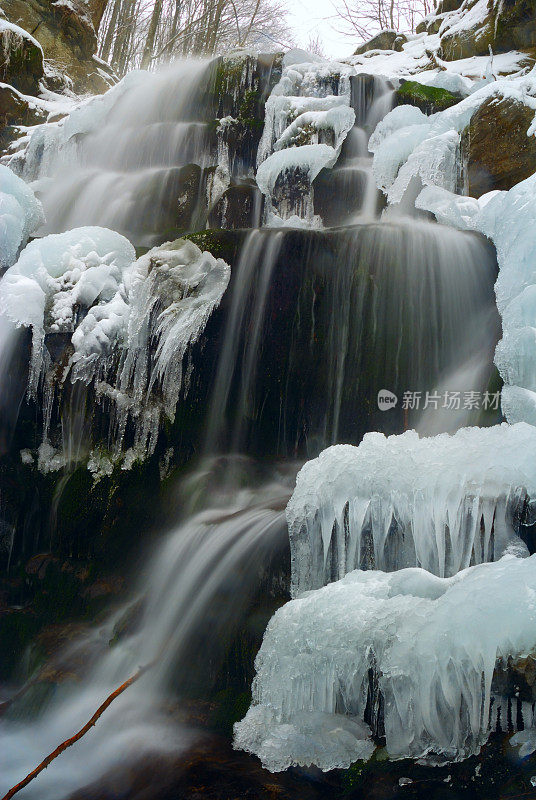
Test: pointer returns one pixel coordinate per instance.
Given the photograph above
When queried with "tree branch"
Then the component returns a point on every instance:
(69, 742)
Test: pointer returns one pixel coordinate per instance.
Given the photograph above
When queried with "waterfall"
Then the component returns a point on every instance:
(199, 587)
(315, 322)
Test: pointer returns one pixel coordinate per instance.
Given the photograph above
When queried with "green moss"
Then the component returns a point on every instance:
(428, 98)
(221, 243)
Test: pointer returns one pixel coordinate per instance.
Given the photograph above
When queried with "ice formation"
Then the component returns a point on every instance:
(129, 323)
(307, 118)
(413, 649)
(407, 143)
(20, 215)
(441, 503)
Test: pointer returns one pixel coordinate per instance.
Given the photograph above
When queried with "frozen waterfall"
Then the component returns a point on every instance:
(441, 503)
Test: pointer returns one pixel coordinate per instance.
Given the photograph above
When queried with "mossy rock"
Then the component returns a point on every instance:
(221, 243)
(468, 43)
(428, 98)
(22, 61)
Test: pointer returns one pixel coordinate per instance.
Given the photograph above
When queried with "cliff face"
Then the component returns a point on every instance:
(67, 33)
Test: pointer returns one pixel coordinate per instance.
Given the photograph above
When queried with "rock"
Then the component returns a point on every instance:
(15, 109)
(448, 5)
(239, 207)
(382, 41)
(515, 26)
(468, 43)
(507, 26)
(22, 59)
(499, 153)
(428, 98)
(400, 41)
(66, 30)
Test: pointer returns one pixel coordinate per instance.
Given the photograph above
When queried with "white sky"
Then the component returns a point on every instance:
(309, 17)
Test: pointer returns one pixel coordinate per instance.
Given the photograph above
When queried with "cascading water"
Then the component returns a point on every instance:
(347, 311)
(199, 587)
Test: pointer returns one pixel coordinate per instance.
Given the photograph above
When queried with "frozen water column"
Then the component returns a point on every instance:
(441, 503)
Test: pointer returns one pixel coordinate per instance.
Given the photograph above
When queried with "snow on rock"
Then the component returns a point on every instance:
(508, 219)
(441, 503)
(431, 644)
(130, 323)
(407, 144)
(20, 215)
(57, 274)
(54, 144)
(307, 118)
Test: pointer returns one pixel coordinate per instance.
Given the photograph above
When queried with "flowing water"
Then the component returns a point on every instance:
(128, 173)
(400, 305)
(195, 594)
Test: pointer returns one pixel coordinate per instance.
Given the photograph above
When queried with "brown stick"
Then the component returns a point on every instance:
(69, 742)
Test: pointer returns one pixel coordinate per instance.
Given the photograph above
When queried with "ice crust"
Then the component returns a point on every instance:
(130, 323)
(407, 143)
(21, 214)
(442, 503)
(431, 642)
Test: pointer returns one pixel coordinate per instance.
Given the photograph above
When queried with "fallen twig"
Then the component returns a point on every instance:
(69, 742)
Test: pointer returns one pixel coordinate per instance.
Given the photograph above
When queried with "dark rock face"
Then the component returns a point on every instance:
(21, 62)
(239, 207)
(67, 33)
(498, 151)
(428, 98)
(516, 25)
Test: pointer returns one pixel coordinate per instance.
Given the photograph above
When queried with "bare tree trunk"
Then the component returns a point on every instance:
(110, 32)
(151, 35)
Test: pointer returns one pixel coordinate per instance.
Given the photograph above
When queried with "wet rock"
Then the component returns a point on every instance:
(382, 41)
(21, 60)
(239, 207)
(338, 193)
(498, 151)
(428, 98)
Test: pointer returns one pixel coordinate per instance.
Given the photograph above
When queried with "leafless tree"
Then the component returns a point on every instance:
(365, 18)
(147, 33)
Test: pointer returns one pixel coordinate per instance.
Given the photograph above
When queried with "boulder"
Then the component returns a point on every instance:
(428, 98)
(21, 64)
(507, 26)
(498, 151)
(239, 207)
(385, 40)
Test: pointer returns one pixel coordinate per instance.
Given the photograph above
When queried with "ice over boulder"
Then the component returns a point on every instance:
(21, 214)
(125, 324)
(307, 118)
(409, 652)
(441, 503)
